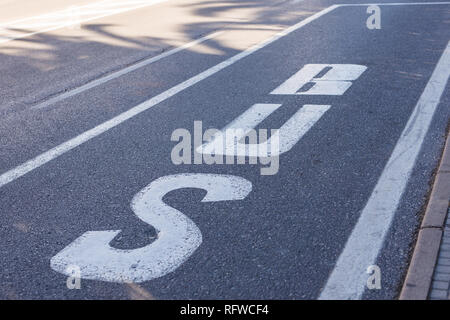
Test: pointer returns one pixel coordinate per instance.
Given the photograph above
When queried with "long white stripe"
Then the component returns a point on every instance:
(121, 72)
(59, 150)
(348, 279)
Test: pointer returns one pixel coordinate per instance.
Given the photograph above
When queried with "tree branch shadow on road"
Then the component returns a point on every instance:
(37, 67)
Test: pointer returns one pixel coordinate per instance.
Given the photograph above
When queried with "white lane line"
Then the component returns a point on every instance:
(59, 150)
(121, 72)
(348, 279)
(74, 15)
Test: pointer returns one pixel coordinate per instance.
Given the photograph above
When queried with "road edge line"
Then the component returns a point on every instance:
(348, 279)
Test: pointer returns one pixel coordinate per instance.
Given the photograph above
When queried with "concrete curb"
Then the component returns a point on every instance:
(420, 273)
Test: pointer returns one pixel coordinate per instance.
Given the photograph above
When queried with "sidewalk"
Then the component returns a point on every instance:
(428, 275)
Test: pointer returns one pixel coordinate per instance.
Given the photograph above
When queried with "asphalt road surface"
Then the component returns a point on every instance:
(88, 110)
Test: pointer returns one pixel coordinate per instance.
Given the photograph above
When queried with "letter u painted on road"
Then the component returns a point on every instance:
(281, 141)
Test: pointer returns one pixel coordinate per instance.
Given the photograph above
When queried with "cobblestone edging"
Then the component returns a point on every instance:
(428, 275)
(440, 285)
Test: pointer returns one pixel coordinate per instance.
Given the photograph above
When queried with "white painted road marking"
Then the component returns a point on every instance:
(178, 236)
(282, 141)
(121, 72)
(348, 279)
(334, 82)
(247, 121)
(52, 21)
(420, 119)
(61, 149)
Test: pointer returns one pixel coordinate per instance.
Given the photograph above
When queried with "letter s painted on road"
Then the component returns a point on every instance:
(178, 236)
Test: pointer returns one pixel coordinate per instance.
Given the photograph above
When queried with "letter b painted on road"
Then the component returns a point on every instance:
(321, 79)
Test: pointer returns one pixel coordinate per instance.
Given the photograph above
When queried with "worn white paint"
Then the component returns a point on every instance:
(334, 82)
(348, 279)
(283, 140)
(178, 236)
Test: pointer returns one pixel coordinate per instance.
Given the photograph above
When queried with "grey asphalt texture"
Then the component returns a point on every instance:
(283, 240)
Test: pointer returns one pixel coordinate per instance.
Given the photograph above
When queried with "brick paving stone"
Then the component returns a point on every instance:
(441, 276)
(440, 284)
(444, 261)
(438, 294)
